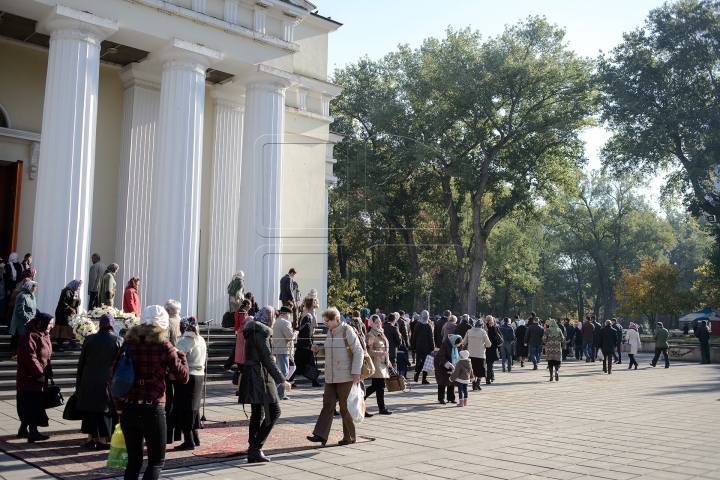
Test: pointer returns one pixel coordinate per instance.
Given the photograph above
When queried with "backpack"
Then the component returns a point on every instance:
(124, 378)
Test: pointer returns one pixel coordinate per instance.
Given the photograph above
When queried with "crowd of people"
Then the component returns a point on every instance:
(168, 358)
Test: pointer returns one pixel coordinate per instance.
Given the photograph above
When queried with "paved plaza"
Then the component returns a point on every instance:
(653, 423)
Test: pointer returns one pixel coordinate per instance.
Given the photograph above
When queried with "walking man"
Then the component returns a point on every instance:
(286, 286)
(703, 334)
(438, 327)
(661, 345)
(506, 348)
(96, 273)
(618, 328)
(588, 334)
(282, 342)
(533, 339)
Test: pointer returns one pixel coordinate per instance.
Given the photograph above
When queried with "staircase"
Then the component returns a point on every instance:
(222, 341)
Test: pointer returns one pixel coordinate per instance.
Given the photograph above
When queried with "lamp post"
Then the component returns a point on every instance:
(428, 300)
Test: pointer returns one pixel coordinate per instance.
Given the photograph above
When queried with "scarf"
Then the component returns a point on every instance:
(41, 321)
(28, 285)
(265, 315)
(365, 313)
(12, 261)
(236, 283)
(553, 327)
(74, 287)
(107, 321)
(157, 316)
(521, 323)
(378, 332)
(632, 326)
(132, 283)
(424, 317)
(454, 356)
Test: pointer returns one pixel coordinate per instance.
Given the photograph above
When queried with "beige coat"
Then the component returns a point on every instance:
(378, 352)
(282, 339)
(476, 340)
(107, 289)
(633, 338)
(338, 367)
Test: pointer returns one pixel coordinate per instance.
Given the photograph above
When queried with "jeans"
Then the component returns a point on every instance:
(462, 390)
(148, 422)
(535, 354)
(589, 350)
(283, 364)
(657, 356)
(259, 430)
(617, 354)
(506, 354)
(377, 386)
(705, 351)
(489, 371)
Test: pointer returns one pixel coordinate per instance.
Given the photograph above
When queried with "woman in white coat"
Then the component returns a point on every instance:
(476, 341)
(633, 338)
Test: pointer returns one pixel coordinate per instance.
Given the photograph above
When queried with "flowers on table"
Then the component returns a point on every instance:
(85, 324)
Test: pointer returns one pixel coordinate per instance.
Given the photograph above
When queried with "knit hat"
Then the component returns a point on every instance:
(464, 354)
(156, 315)
(106, 321)
(186, 322)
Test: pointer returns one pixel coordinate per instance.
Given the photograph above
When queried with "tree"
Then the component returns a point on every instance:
(345, 295)
(661, 97)
(652, 290)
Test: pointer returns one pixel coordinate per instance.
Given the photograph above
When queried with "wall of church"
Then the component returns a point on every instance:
(205, 214)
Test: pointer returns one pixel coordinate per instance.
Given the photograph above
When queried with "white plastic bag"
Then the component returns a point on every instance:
(600, 355)
(356, 404)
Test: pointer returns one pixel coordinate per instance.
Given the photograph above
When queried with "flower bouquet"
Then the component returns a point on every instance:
(87, 323)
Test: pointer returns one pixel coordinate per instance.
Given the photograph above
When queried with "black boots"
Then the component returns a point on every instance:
(196, 438)
(256, 455)
(417, 374)
(35, 436)
(23, 431)
(424, 379)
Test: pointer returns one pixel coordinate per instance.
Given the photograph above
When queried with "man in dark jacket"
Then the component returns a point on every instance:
(508, 335)
(463, 326)
(402, 324)
(438, 328)
(533, 339)
(286, 286)
(606, 343)
(596, 335)
(393, 336)
(569, 338)
(617, 355)
(703, 334)
(588, 334)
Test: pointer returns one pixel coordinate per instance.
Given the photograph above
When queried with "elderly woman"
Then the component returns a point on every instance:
(186, 408)
(258, 385)
(377, 347)
(131, 298)
(143, 408)
(445, 360)
(25, 309)
(91, 384)
(11, 273)
(106, 292)
(553, 339)
(449, 327)
(67, 307)
(522, 350)
(33, 372)
(310, 305)
(343, 354)
(423, 342)
(633, 338)
(236, 290)
(26, 275)
(477, 341)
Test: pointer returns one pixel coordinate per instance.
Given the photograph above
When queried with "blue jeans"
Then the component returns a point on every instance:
(462, 390)
(535, 354)
(506, 354)
(589, 350)
(283, 363)
(617, 354)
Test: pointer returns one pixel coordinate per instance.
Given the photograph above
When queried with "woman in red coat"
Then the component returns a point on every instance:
(131, 299)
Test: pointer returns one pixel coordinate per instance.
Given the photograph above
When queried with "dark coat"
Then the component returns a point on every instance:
(491, 353)
(608, 340)
(534, 335)
(569, 333)
(438, 331)
(403, 329)
(260, 373)
(423, 341)
(522, 350)
(286, 290)
(393, 336)
(596, 332)
(96, 361)
(66, 307)
(619, 333)
(33, 362)
(702, 333)
(462, 328)
(10, 284)
(444, 355)
(588, 332)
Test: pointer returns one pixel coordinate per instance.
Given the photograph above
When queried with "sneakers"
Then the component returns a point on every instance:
(460, 403)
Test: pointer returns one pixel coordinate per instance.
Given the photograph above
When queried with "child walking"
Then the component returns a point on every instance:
(462, 376)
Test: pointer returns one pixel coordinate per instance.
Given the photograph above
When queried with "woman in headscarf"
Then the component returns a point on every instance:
(33, 372)
(25, 309)
(491, 355)
(423, 342)
(93, 398)
(445, 360)
(67, 307)
(378, 349)
(357, 324)
(477, 341)
(553, 340)
(236, 290)
(106, 292)
(365, 315)
(26, 275)
(186, 406)
(131, 298)
(310, 305)
(11, 273)
(520, 347)
(258, 383)
(633, 338)
(303, 353)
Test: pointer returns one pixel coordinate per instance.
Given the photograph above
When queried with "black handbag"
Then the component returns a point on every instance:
(52, 396)
(311, 373)
(71, 411)
(236, 377)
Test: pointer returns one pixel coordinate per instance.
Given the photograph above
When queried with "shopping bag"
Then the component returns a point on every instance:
(626, 348)
(117, 458)
(356, 404)
(396, 382)
(71, 411)
(600, 355)
(429, 365)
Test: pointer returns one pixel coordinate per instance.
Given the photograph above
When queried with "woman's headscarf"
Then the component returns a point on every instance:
(306, 319)
(11, 261)
(454, 356)
(553, 327)
(187, 322)
(28, 285)
(378, 332)
(132, 283)
(365, 313)
(424, 317)
(107, 321)
(74, 287)
(236, 283)
(521, 322)
(312, 293)
(113, 268)
(157, 316)
(41, 321)
(266, 315)
(28, 273)
(632, 326)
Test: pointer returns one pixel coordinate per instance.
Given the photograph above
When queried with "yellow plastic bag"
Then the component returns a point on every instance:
(117, 458)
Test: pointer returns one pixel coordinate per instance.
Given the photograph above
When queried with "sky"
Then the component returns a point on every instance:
(375, 28)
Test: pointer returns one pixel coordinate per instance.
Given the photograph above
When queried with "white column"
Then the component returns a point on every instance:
(259, 18)
(63, 203)
(289, 29)
(141, 105)
(225, 203)
(199, 5)
(175, 226)
(230, 12)
(260, 241)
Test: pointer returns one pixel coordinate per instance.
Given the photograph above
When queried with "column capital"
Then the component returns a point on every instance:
(62, 18)
(177, 51)
(265, 77)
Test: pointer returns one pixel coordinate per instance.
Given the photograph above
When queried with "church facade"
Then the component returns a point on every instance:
(184, 140)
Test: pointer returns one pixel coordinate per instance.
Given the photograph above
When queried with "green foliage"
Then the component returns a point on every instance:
(345, 296)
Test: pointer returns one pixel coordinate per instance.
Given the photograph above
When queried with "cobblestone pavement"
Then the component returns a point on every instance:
(653, 423)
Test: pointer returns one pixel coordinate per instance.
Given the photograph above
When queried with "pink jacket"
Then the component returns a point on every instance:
(240, 342)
